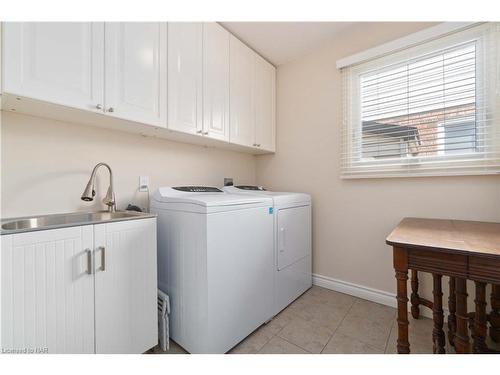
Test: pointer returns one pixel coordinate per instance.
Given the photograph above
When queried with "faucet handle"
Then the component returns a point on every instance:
(109, 200)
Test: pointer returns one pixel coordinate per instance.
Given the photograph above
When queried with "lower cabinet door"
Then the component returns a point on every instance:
(125, 286)
(47, 291)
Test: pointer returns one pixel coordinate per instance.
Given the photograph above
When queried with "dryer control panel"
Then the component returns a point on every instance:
(250, 187)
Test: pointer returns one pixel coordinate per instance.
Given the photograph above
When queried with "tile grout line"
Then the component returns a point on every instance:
(274, 335)
(388, 338)
(267, 342)
(356, 338)
(281, 329)
(298, 346)
(336, 329)
(286, 325)
(346, 314)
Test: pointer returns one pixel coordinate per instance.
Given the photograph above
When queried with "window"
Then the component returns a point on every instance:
(455, 137)
(431, 109)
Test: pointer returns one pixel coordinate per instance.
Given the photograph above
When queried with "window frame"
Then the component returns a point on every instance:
(406, 166)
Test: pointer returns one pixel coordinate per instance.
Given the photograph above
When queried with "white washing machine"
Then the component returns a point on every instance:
(215, 261)
(292, 242)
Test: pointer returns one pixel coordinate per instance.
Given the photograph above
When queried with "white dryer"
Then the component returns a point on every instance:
(215, 261)
(292, 241)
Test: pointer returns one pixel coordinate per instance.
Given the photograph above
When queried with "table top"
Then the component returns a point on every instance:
(477, 237)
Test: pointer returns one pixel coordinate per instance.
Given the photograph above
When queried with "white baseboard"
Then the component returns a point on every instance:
(364, 292)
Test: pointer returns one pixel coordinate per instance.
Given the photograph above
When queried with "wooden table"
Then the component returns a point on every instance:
(461, 250)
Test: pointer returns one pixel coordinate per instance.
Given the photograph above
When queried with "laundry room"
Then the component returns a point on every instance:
(185, 183)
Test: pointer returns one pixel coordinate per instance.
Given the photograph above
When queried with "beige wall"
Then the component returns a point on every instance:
(46, 165)
(351, 218)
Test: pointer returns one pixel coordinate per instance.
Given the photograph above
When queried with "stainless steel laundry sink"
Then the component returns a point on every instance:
(28, 224)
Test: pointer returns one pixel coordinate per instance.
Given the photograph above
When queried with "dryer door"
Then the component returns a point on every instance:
(293, 235)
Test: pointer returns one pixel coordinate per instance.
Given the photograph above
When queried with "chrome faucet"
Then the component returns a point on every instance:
(89, 192)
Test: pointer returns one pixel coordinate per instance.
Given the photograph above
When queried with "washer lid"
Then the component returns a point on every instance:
(205, 196)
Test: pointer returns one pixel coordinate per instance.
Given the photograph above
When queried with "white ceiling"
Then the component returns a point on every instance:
(281, 42)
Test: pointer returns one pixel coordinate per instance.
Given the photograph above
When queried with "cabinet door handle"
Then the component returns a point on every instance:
(205, 133)
(89, 261)
(98, 106)
(102, 249)
(199, 132)
(111, 109)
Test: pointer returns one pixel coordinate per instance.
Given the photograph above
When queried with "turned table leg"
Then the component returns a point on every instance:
(452, 305)
(479, 335)
(462, 344)
(401, 267)
(495, 313)
(437, 314)
(415, 310)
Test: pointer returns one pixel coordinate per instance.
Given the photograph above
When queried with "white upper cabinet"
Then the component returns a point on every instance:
(185, 77)
(58, 62)
(265, 104)
(191, 77)
(242, 87)
(215, 81)
(1, 41)
(136, 71)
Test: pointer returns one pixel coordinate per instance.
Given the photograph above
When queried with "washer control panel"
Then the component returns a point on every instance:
(198, 189)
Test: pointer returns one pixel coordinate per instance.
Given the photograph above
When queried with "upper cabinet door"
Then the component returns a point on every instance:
(215, 81)
(242, 106)
(136, 71)
(47, 294)
(58, 62)
(265, 104)
(185, 77)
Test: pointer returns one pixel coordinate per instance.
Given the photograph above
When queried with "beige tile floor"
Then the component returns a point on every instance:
(328, 322)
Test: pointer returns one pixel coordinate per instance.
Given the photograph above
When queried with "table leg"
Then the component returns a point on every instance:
(495, 313)
(479, 335)
(415, 310)
(437, 314)
(452, 305)
(401, 267)
(462, 344)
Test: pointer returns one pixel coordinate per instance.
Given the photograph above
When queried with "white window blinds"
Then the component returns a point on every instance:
(432, 109)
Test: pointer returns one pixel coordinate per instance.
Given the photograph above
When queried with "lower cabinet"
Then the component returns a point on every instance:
(86, 289)
(125, 286)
